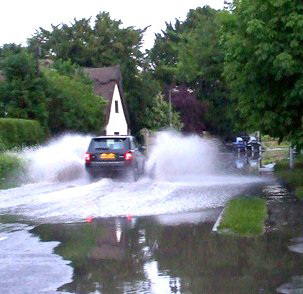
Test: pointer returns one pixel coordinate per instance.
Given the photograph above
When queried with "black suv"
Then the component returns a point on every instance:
(109, 154)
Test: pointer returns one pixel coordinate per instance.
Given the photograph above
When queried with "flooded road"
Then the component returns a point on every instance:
(150, 236)
(71, 202)
(51, 247)
(169, 255)
(163, 253)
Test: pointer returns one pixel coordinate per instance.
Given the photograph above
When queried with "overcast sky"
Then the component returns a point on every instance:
(20, 18)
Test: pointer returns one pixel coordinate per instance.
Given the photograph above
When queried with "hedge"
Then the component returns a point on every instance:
(19, 133)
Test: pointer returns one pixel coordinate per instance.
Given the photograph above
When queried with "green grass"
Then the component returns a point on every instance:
(271, 156)
(291, 177)
(299, 193)
(269, 142)
(10, 167)
(244, 216)
(267, 161)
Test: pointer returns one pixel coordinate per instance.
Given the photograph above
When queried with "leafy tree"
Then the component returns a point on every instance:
(142, 97)
(264, 65)
(22, 94)
(9, 49)
(163, 57)
(64, 42)
(72, 104)
(74, 71)
(200, 66)
(157, 117)
(189, 53)
(60, 98)
(106, 43)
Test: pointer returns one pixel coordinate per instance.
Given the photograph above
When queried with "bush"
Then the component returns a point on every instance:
(72, 104)
(23, 91)
(299, 193)
(282, 165)
(292, 177)
(10, 166)
(19, 133)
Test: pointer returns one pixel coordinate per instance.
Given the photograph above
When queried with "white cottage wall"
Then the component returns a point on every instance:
(117, 123)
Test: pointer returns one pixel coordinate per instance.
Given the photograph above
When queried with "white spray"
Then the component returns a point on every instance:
(174, 156)
(62, 159)
(186, 179)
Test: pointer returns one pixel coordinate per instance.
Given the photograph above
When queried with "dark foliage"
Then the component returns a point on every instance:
(190, 109)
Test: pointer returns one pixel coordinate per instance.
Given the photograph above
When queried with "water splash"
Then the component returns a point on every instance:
(185, 167)
(174, 156)
(62, 159)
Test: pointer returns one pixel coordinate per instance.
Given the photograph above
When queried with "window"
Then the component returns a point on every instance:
(116, 107)
(116, 133)
(105, 144)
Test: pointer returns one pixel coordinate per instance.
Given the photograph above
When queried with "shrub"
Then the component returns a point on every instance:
(23, 91)
(299, 192)
(19, 133)
(282, 165)
(72, 104)
(292, 177)
(10, 167)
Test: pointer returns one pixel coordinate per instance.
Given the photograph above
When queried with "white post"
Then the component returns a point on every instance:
(291, 158)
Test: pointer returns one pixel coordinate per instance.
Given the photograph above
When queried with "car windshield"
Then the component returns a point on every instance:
(109, 143)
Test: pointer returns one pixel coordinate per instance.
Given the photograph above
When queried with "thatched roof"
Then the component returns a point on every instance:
(105, 79)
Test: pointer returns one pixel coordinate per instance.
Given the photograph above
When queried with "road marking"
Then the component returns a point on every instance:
(216, 225)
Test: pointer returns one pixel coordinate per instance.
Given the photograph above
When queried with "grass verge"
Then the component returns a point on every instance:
(244, 216)
(291, 177)
(271, 156)
(299, 193)
(10, 167)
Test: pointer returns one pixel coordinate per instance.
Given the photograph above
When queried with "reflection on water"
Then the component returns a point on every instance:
(154, 255)
(244, 163)
(179, 253)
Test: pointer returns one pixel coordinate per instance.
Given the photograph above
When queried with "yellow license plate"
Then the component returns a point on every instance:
(108, 156)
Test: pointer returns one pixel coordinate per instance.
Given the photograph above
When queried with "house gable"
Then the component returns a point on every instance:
(117, 124)
(108, 84)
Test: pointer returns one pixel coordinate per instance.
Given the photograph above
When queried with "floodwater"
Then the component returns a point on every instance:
(60, 233)
(179, 253)
(164, 253)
